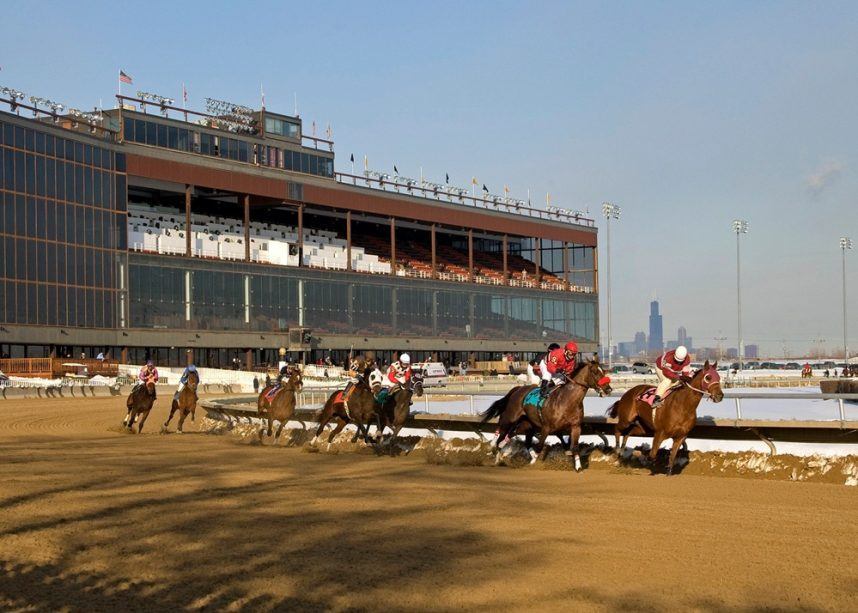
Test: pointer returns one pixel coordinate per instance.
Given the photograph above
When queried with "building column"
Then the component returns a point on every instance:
(300, 235)
(189, 356)
(471, 255)
(188, 190)
(248, 359)
(434, 254)
(393, 246)
(538, 259)
(566, 265)
(123, 355)
(505, 262)
(348, 240)
(595, 270)
(246, 227)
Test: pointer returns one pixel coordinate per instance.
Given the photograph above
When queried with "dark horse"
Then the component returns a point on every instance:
(360, 407)
(139, 403)
(674, 419)
(563, 411)
(186, 402)
(282, 407)
(397, 407)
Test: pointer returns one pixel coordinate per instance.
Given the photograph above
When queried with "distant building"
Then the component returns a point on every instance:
(682, 338)
(626, 349)
(640, 343)
(752, 352)
(656, 330)
(732, 353)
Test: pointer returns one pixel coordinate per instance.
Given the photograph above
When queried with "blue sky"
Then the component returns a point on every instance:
(686, 115)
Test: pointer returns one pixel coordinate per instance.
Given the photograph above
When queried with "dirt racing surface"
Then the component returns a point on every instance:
(92, 518)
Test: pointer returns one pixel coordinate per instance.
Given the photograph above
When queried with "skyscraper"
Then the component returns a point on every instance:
(682, 338)
(656, 331)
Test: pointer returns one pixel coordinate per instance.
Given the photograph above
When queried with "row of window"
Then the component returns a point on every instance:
(29, 260)
(44, 143)
(26, 216)
(205, 143)
(227, 301)
(38, 175)
(56, 305)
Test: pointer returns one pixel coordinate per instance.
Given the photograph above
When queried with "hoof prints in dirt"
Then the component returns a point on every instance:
(475, 452)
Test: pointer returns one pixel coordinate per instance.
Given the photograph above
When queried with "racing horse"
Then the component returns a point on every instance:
(674, 419)
(280, 407)
(359, 408)
(562, 412)
(396, 408)
(186, 402)
(139, 403)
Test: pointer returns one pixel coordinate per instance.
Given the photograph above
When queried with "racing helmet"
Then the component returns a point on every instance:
(571, 346)
(405, 359)
(681, 353)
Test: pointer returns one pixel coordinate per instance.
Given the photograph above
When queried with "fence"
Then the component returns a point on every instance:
(51, 368)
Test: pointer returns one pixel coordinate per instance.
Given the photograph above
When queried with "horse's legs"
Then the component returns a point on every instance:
(544, 433)
(574, 435)
(262, 429)
(129, 418)
(677, 443)
(142, 421)
(342, 424)
(657, 440)
(324, 418)
(279, 430)
(173, 408)
(183, 415)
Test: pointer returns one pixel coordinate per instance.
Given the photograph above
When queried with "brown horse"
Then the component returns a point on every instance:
(186, 402)
(360, 407)
(397, 408)
(282, 407)
(139, 403)
(562, 412)
(674, 419)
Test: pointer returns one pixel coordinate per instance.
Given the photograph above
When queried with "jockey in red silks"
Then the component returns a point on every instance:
(669, 368)
(398, 374)
(148, 373)
(559, 365)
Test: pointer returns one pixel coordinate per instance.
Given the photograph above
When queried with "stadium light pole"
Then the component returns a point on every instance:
(740, 226)
(610, 211)
(845, 243)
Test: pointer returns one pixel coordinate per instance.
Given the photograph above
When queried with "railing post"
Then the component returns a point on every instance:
(842, 410)
(738, 408)
(471, 402)
(426, 401)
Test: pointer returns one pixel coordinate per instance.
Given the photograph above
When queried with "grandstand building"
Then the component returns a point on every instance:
(221, 237)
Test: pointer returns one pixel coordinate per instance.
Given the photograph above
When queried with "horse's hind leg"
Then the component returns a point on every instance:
(543, 443)
(279, 430)
(341, 423)
(574, 435)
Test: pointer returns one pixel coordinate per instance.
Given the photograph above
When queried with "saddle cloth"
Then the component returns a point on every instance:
(382, 395)
(534, 398)
(270, 394)
(338, 399)
(648, 395)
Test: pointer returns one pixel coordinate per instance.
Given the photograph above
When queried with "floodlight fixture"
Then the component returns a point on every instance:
(740, 226)
(611, 211)
(845, 243)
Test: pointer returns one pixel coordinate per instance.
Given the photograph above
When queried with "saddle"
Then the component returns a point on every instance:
(270, 394)
(648, 395)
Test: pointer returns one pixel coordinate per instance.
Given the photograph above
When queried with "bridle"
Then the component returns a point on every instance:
(601, 383)
(706, 391)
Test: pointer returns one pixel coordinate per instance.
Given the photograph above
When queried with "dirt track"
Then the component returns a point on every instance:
(91, 518)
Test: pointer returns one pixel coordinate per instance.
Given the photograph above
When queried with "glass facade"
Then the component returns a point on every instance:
(234, 296)
(62, 220)
(216, 145)
(281, 127)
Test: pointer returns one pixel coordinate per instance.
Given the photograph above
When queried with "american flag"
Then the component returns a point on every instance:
(124, 78)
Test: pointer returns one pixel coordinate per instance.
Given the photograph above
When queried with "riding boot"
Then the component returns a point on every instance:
(657, 402)
(543, 388)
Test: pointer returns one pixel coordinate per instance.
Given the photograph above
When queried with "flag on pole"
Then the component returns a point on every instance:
(506, 190)
(314, 127)
(447, 180)
(184, 94)
(124, 78)
(395, 169)
(352, 158)
(485, 189)
(365, 163)
(548, 199)
(474, 181)
(328, 132)
(262, 92)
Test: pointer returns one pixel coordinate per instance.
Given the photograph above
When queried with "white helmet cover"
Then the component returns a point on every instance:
(405, 358)
(681, 353)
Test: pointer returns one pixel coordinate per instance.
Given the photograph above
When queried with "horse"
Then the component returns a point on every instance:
(359, 408)
(674, 419)
(186, 402)
(282, 406)
(396, 408)
(139, 403)
(563, 410)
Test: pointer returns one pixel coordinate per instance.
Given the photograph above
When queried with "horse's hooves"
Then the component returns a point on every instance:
(568, 453)
(179, 432)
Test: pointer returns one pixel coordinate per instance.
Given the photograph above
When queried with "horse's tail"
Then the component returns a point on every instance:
(613, 411)
(497, 407)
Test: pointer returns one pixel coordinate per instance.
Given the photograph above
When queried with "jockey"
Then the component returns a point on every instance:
(398, 374)
(285, 372)
(559, 364)
(670, 367)
(183, 380)
(147, 373)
